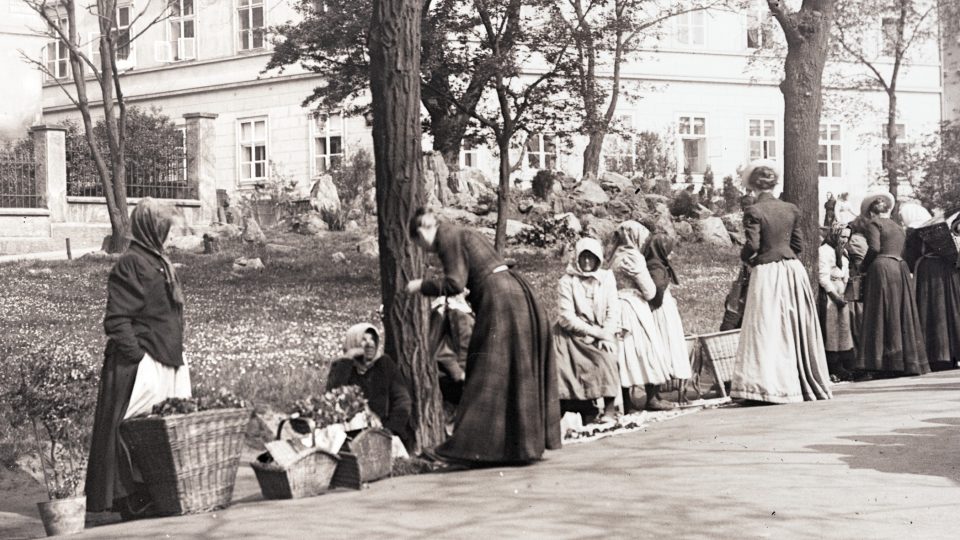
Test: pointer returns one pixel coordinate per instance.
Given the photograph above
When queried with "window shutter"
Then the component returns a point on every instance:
(162, 51)
(187, 47)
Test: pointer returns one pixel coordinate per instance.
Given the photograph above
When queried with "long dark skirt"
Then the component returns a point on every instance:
(510, 411)
(938, 299)
(892, 337)
(586, 372)
(110, 473)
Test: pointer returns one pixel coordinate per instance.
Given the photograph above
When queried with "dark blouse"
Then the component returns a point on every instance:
(141, 316)
(383, 387)
(772, 230)
(884, 238)
(467, 258)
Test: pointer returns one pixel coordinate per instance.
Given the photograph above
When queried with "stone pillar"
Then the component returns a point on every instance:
(50, 155)
(201, 163)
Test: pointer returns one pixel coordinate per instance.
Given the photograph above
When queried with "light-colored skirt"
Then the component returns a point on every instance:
(781, 358)
(155, 383)
(641, 359)
(670, 326)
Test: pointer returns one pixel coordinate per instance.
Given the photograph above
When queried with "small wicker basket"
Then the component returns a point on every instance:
(188, 461)
(366, 458)
(310, 475)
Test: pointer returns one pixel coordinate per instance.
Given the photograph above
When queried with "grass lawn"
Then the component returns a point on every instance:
(269, 335)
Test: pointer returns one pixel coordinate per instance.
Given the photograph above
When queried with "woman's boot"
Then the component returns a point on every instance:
(654, 403)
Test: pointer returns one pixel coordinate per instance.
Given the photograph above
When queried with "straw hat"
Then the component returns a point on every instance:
(870, 197)
(748, 170)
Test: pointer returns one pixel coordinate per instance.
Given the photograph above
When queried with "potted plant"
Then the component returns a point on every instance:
(52, 396)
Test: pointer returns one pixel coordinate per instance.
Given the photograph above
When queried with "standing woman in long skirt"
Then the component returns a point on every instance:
(893, 337)
(834, 310)
(666, 315)
(143, 363)
(509, 411)
(781, 357)
(938, 299)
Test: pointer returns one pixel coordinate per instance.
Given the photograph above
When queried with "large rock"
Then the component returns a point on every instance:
(435, 174)
(619, 209)
(701, 212)
(457, 215)
(247, 265)
(733, 222)
(514, 227)
(712, 231)
(324, 196)
(654, 200)
(569, 221)
(616, 182)
(591, 192)
(190, 244)
(280, 249)
(599, 228)
(310, 224)
(369, 247)
(224, 230)
(684, 230)
(665, 225)
(252, 232)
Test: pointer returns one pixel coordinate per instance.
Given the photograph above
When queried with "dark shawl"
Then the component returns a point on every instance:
(657, 253)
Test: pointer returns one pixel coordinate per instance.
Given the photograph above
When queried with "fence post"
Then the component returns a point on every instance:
(50, 156)
(201, 161)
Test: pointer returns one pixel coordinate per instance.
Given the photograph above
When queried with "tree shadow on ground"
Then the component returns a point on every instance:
(929, 451)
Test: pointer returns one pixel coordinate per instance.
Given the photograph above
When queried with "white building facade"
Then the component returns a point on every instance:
(704, 91)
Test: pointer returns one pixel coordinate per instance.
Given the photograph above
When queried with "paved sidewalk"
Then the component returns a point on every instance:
(882, 460)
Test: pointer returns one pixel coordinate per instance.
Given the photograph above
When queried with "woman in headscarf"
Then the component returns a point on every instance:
(509, 411)
(666, 315)
(834, 311)
(934, 265)
(893, 337)
(143, 363)
(643, 359)
(780, 358)
(377, 375)
(585, 335)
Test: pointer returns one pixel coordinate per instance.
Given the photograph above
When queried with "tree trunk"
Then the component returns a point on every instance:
(503, 194)
(591, 155)
(803, 102)
(893, 150)
(395, 87)
(448, 134)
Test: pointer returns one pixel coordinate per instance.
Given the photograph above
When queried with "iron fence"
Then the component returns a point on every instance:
(162, 176)
(18, 180)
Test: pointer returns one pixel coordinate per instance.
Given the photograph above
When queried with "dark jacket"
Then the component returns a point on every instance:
(141, 316)
(467, 258)
(772, 230)
(884, 237)
(383, 387)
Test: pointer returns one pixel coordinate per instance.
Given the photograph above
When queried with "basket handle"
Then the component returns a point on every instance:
(310, 422)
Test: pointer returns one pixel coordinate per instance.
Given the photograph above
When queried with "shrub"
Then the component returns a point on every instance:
(731, 194)
(940, 162)
(547, 232)
(543, 184)
(352, 182)
(683, 204)
(655, 158)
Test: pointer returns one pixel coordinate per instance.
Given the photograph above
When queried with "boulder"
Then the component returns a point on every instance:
(224, 230)
(252, 232)
(369, 247)
(619, 209)
(457, 215)
(351, 226)
(310, 224)
(569, 221)
(189, 244)
(738, 238)
(701, 212)
(566, 182)
(665, 225)
(524, 205)
(324, 196)
(591, 192)
(211, 244)
(514, 227)
(733, 222)
(654, 200)
(617, 182)
(684, 230)
(246, 265)
(280, 249)
(339, 257)
(435, 174)
(712, 231)
(661, 209)
(598, 227)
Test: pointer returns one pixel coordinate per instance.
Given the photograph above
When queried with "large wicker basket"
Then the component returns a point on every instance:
(366, 458)
(720, 352)
(308, 476)
(188, 461)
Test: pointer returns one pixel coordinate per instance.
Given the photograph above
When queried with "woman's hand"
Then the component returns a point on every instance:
(355, 352)
(413, 286)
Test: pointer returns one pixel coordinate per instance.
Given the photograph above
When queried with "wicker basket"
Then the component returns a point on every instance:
(308, 476)
(720, 352)
(188, 461)
(366, 458)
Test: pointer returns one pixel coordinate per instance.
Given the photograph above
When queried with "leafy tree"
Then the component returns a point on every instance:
(940, 163)
(331, 39)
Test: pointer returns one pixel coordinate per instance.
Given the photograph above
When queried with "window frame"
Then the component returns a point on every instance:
(174, 44)
(250, 32)
(620, 142)
(541, 152)
(241, 181)
(684, 19)
(681, 150)
(469, 151)
(829, 143)
(315, 156)
(58, 46)
(762, 138)
(763, 19)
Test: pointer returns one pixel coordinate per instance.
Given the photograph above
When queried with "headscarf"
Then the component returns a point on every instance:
(149, 226)
(913, 215)
(833, 240)
(629, 239)
(353, 339)
(589, 245)
(657, 254)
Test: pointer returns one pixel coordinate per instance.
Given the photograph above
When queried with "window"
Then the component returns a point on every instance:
(468, 155)
(250, 14)
(691, 28)
(541, 152)
(56, 53)
(253, 149)
(760, 31)
(888, 36)
(903, 145)
(829, 156)
(762, 138)
(620, 149)
(693, 138)
(328, 142)
(121, 38)
(183, 30)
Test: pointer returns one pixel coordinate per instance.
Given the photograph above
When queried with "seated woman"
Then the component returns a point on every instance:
(643, 359)
(585, 335)
(378, 377)
(666, 315)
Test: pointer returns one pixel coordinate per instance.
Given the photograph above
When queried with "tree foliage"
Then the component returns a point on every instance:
(940, 163)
